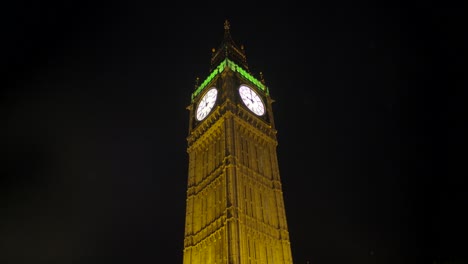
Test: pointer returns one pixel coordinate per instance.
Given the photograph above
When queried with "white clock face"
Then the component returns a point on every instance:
(252, 100)
(206, 104)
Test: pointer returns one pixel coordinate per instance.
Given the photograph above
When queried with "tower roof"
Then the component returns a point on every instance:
(229, 50)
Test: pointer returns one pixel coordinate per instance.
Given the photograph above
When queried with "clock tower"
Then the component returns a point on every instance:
(234, 209)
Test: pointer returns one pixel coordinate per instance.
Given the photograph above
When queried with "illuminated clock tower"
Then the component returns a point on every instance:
(234, 210)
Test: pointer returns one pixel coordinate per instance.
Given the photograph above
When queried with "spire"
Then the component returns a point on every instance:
(226, 28)
(229, 50)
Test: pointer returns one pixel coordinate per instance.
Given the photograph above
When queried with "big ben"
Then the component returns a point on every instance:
(235, 210)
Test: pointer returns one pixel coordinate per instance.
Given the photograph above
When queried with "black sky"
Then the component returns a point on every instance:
(369, 110)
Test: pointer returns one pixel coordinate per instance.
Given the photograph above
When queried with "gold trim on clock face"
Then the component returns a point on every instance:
(252, 100)
(206, 104)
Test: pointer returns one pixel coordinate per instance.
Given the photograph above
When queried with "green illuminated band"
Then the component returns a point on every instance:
(233, 67)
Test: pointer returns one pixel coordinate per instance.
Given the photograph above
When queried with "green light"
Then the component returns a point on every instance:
(247, 75)
(233, 67)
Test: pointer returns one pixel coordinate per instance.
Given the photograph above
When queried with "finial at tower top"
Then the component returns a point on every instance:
(228, 49)
(227, 34)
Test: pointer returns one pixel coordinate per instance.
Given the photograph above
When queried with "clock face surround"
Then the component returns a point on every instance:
(206, 103)
(252, 100)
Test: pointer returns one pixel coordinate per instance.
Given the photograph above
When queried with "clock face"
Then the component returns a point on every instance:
(252, 100)
(206, 104)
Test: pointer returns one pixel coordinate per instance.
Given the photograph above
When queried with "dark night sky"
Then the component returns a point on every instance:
(369, 111)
